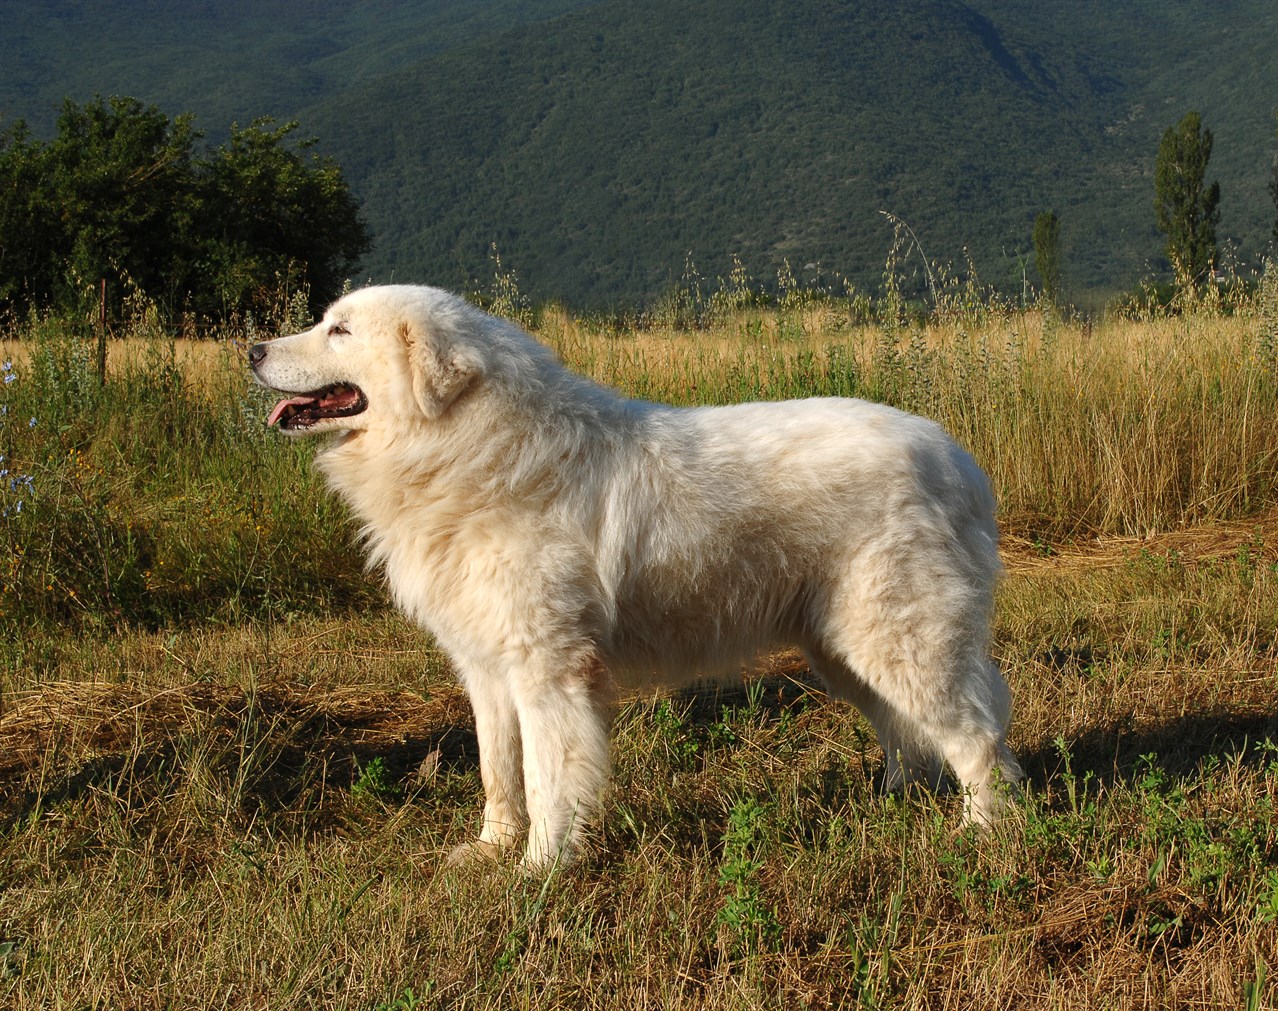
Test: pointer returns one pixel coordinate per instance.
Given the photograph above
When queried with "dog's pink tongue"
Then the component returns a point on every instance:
(284, 404)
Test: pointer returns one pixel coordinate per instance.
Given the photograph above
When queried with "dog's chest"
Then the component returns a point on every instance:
(469, 574)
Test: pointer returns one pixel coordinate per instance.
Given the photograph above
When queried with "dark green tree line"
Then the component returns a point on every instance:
(124, 193)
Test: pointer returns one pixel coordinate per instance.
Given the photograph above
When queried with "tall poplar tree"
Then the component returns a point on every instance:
(1273, 187)
(1188, 209)
(1273, 191)
(1047, 254)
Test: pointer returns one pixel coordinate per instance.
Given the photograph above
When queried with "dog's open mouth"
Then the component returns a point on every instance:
(341, 400)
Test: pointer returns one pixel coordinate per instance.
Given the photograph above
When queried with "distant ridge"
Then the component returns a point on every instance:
(600, 144)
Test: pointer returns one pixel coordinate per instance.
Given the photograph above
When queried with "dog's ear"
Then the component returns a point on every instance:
(441, 369)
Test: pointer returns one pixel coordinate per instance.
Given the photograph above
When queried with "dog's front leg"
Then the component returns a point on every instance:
(564, 717)
(500, 768)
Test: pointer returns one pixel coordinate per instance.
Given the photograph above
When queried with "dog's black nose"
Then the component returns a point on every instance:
(256, 353)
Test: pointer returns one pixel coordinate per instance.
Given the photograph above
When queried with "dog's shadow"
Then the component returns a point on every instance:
(1114, 753)
(1100, 757)
(435, 754)
(1122, 753)
(1095, 759)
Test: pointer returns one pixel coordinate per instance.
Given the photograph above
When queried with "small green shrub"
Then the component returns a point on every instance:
(750, 920)
(374, 783)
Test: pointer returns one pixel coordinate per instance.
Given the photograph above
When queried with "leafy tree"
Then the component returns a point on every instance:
(274, 216)
(123, 180)
(1188, 209)
(1047, 253)
(28, 216)
(126, 194)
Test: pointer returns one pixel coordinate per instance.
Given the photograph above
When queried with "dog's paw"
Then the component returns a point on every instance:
(477, 851)
(537, 863)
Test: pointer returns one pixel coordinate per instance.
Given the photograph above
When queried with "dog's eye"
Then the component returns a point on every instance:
(339, 330)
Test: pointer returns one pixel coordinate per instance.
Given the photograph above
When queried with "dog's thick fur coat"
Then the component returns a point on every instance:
(561, 541)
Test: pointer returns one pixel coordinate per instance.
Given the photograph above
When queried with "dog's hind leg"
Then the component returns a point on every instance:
(972, 735)
(913, 622)
(948, 698)
(909, 760)
(564, 716)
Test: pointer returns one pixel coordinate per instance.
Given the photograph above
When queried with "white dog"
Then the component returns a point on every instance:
(561, 541)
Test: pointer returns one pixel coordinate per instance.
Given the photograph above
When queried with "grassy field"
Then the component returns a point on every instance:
(228, 771)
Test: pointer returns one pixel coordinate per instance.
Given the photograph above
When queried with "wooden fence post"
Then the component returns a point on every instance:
(102, 336)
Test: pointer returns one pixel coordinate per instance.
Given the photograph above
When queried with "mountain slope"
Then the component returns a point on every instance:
(599, 143)
(232, 60)
(598, 154)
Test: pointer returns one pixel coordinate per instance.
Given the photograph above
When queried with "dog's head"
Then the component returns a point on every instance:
(380, 355)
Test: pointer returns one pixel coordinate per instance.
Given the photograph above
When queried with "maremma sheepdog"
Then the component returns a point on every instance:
(562, 542)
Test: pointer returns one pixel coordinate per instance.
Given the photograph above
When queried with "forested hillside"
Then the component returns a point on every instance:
(600, 144)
